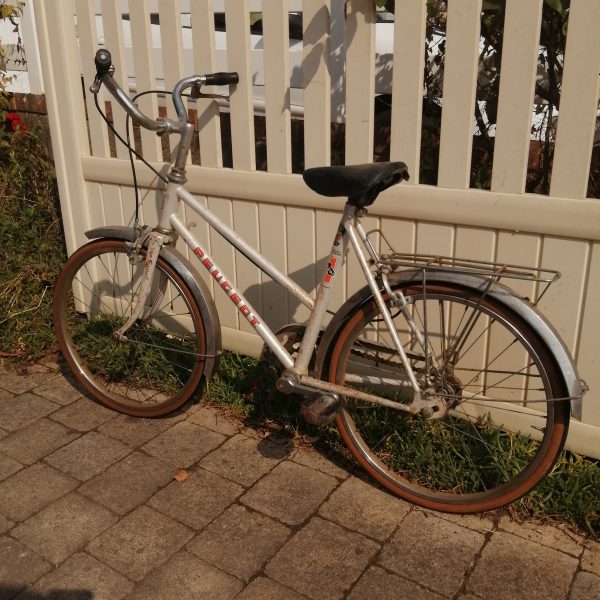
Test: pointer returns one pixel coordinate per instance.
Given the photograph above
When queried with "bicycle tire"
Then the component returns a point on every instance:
(161, 363)
(463, 462)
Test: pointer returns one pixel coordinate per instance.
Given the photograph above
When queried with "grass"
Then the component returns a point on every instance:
(32, 251)
(32, 248)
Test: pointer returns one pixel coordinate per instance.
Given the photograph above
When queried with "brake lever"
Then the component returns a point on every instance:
(95, 87)
(195, 94)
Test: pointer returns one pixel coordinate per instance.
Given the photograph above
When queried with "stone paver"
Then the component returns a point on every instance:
(8, 466)
(81, 573)
(362, 507)
(590, 561)
(241, 460)
(184, 444)
(5, 524)
(128, 483)
(135, 431)
(544, 534)
(139, 542)
(378, 584)
(18, 411)
(315, 460)
(290, 492)
(211, 418)
(239, 541)
(32, 489)
(483, 523)
(84, 415)
(64, 527)
(322, 560)
(424, 545)
(59, 390)
(19, 567)
(263, 588)
(198, 500)
(18, 384)
(585, 587)
(186, 577)
(512, 567)
(94, 505)
(88, 455)
(37, 440)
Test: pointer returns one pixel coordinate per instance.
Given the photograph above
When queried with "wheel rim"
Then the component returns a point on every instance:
(464, 462)
(160, 363)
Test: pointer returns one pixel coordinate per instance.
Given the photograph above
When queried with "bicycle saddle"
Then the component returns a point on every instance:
(359, 183)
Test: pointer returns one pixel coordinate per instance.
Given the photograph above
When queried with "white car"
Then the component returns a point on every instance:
(384, 52)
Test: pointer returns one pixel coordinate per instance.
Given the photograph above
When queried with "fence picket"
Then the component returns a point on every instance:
(317, 83)
(144, 73)
(460, 82)
(237, 17)
(88, 44)
(587, 357)
(578, 102)
(113, 39)
(360, 81)
(247, 275)
(517, 82)
(169, 12)
(209, 124)
(407, 85)
(277, 91)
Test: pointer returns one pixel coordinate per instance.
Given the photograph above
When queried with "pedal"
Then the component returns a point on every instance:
(320, 409)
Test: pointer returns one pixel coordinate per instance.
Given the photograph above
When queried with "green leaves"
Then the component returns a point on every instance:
(555, 5)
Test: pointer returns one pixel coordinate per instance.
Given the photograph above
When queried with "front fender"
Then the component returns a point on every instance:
(521, 307)
(186, 271)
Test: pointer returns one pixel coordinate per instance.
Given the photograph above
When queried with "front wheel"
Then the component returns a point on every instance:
(160, 363)
(500, 432)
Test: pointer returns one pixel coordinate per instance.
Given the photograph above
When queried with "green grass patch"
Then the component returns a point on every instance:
(571, 492)
(32, 248)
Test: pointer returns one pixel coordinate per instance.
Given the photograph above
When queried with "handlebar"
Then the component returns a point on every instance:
(104, 75)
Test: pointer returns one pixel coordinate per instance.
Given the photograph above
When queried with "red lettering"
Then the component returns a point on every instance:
(226, 286)
(198, 252)
(254, 321)
(235, 299)
(207, 263)
(245, 310)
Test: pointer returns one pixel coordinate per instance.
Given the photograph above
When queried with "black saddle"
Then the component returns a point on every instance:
(359, 183)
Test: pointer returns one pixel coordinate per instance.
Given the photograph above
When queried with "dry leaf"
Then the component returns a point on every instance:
(181, 475)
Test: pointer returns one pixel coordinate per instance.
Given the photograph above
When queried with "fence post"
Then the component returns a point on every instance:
(58, 53)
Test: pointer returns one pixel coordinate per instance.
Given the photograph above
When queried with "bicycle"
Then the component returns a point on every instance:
(432, 358)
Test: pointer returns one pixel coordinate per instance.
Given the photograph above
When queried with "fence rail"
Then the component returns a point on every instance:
(275, 211)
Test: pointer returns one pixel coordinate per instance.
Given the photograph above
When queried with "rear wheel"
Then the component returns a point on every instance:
(160, 363)
(498, 433)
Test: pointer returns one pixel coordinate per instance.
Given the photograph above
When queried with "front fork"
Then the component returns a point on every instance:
(155, 243)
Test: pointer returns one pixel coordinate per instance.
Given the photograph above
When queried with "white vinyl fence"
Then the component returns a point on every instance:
(293, 226)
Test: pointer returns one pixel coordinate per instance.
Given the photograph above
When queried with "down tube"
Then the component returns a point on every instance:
(224, 282)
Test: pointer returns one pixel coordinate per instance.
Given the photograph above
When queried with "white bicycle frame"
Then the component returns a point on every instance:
(349, 233)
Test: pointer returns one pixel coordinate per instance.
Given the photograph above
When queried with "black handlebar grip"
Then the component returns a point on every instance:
(103, 61)
(221, 78)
